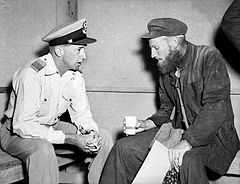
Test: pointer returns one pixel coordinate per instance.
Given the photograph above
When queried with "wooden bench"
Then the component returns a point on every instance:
(11, 169)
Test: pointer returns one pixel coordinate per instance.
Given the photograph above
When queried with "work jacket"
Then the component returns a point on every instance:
(205, 90)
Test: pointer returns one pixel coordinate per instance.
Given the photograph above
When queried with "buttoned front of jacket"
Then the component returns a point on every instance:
(40, 97)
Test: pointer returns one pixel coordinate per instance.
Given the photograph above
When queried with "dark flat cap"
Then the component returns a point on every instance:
(165, 27)
(74, 33)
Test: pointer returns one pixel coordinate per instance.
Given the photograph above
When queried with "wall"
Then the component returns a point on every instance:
(118, 25)
(21, 31)
(23, 23)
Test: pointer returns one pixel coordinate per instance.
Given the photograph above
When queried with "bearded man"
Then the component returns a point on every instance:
(205, 91)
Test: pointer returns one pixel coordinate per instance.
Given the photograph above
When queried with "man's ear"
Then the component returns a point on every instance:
(58, 50)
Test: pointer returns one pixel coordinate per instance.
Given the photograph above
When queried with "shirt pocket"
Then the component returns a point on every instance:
(44, 106)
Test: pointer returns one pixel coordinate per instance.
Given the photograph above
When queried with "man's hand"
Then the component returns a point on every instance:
(89, 143)
(176, 153)
(95, 143)
(143, 125)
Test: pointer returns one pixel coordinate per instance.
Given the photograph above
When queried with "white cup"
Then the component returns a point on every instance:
(130, 124)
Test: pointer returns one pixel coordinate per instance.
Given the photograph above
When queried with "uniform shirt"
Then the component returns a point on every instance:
(40, 95)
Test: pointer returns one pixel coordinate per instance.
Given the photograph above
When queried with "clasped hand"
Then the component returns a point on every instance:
(89, 143)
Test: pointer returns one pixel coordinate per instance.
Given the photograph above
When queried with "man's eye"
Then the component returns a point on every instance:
(80, 48)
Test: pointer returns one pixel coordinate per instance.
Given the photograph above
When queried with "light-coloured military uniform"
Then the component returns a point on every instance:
(43, 95)
(39, 96)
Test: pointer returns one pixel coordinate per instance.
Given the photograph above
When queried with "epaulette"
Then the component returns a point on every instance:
(38, 65)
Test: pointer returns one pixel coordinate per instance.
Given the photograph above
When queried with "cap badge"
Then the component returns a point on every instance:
(84, 29)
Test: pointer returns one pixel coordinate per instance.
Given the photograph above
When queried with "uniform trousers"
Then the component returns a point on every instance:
(39, 158)
(128, 154)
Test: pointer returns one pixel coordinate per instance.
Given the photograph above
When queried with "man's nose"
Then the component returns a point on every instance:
(153, 53)
(83, 54)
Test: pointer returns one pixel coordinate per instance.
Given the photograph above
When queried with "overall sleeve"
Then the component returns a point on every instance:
(79, 109)
(27, 90)
(164, 111)
(231, 24)
(215, 98)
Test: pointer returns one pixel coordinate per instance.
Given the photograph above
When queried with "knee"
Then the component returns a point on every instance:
(124, 147)
(107, 137)
(44, 149)
(191, 159)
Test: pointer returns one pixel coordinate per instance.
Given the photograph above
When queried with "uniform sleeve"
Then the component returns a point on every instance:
(79, 109)
(215, 102)
(231, 24)
(163, 113)
(27, 90)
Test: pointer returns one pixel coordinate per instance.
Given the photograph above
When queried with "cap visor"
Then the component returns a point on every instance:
(84, 41)
(150, 35)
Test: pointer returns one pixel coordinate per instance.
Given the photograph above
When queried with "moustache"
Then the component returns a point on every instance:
(170, 63)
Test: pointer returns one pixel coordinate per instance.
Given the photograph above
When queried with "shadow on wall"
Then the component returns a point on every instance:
(150, 66)
(229, 52)
(42, 51)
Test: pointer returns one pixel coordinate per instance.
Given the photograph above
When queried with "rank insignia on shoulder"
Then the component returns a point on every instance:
(38, 65)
